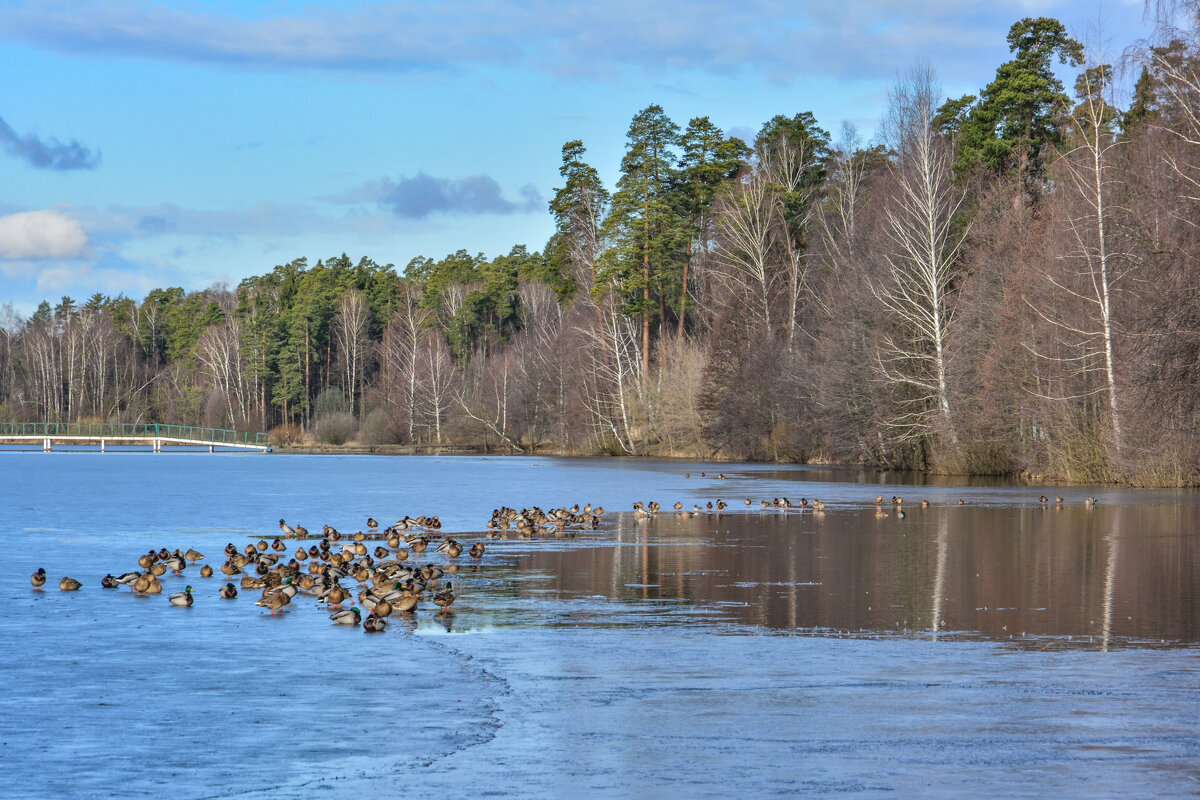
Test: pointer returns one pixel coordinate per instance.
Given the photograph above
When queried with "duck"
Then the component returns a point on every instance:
(141, 583)
(183, 598)
(406, 604)
(227, 592)
(273, 600)
(109, 582)
(288, 530)
(374, 624)
(193, 555)
(175, 564)
(476, 550)
(278, 546)
(155, 587)
(69, 584)
(446, 597)
(348, 616)
(206, 571)
(371, 523)
(38, 579)
(1089, 502)
(126, 578)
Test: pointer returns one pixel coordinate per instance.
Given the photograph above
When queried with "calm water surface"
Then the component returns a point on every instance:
(997, 646)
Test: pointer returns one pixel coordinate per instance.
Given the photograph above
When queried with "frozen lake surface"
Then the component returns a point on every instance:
(1002, 646)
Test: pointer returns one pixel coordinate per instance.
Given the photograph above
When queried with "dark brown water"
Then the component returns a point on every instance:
(1071, 575)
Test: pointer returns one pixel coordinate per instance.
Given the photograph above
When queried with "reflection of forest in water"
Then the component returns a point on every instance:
(1108, 573)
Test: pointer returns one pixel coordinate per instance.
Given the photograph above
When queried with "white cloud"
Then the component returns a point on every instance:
(42, 234)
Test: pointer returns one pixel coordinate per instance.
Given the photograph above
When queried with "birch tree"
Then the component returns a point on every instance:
(923, 250)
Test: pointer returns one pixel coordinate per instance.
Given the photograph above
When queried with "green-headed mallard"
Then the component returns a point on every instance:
(227, 592)
(348, 616)
(288, 530)
(69, 584)
(38, 579)
(183, 598)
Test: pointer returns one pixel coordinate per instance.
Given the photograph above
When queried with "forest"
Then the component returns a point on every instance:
(1000, 283)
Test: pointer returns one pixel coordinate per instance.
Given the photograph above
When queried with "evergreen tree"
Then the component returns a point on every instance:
(644, 230)
(1017, 114)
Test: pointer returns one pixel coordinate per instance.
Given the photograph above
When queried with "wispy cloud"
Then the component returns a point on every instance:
(422, 195)
(782, 39)
(47, 153)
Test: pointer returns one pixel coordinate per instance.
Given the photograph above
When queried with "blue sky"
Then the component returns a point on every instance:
(148, 144)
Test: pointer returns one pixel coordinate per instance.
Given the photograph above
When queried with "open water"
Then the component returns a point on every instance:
(999, 647)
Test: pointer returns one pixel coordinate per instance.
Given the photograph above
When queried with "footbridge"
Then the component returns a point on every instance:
(149, 434)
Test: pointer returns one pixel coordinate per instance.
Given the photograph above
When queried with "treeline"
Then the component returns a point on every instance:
(1005, 282)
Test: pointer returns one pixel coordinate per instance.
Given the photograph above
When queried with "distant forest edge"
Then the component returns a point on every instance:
(1007, 282)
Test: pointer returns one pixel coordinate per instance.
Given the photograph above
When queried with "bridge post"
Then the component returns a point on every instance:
(157, 446)
(212, 449)
(101, 445)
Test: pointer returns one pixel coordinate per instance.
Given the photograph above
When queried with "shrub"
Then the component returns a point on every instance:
(283, 435)
(336, 428)
(378, 427)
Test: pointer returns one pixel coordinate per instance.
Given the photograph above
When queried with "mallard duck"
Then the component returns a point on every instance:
(273, 600)
(109, 582)
(1089, 502)
(405, 604)
(206, 571)
(477, 550)
(446, 597)
(175, 564)
(146, 560)
(126, 578)
(335, 595)
(183, 598)
(155, 587)
(348, 616)
(230, 549)
(251, 582)
(1058, 500)
(288, 530)
(382, 608)
(193, 555)
(371, 523)
(38, 579)
(141, 583)
(69, 584)
(374, 624)
(227, 592)
(277, 545)
(454, 550)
